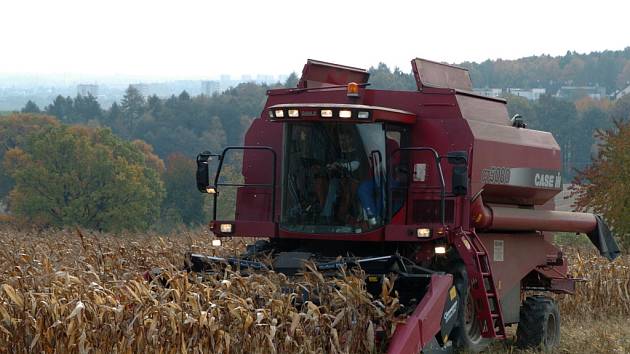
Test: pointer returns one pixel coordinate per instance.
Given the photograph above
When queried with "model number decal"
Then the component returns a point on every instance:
(496, 175)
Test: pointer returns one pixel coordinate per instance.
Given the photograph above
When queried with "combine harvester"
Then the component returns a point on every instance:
(437, 186)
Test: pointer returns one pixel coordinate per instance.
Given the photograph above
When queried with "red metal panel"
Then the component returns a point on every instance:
(318, 73)
(257, 165)
(245, 228)
(433, 74)
(376, 235)
(542, 220)
(424, 323)
(519, 254)
(253, 204)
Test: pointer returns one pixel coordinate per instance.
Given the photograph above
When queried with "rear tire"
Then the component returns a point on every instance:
(467, 334)
(539, 324)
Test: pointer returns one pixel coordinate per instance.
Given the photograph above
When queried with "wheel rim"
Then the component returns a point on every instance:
(471, 324)
(550, 336)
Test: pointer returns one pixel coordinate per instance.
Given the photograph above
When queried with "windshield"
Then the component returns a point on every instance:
(334, 177)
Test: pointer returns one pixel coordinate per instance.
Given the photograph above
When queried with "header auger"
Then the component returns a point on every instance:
(438, 186)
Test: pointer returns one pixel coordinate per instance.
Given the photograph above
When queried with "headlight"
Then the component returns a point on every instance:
(226, 228)
(216, 243)
(440, 249)
(363, 115)
(423, 233)
(344, 113)
(294, 113)
(279, 113)
(326, 113)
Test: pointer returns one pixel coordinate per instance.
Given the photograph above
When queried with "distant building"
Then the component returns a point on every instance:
(531, 94)
(488, 92)
(574, 93)
(87, 89)
(264, 79)
(226, 82)
(622, 93)
(209, 88)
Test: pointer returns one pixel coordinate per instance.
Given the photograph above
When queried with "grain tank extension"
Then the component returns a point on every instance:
(437, 186)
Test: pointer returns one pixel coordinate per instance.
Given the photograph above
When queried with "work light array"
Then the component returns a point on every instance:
(289, 113)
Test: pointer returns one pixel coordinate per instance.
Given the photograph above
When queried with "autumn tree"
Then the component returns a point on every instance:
(183, 203)
(603, 186)
(83, 176)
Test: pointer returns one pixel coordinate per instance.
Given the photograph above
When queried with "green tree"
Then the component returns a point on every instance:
(524, 107)
(83, 176)
(383, 78)
(603, 186)
(14, 132)
(183, 202)
(133, 106)
(87, 108)
(62, 108)
(30, 107)
(291, 81)
(559, 117)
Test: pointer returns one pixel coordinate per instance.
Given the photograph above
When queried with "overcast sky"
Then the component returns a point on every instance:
(195, 39)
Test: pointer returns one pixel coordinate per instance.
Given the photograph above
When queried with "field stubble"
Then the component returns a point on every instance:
(69, 291)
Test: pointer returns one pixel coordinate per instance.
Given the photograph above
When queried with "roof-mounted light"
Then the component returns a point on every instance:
(326, 113)
(345, 113)
(294, 113)
(353, 89)
(279, 113)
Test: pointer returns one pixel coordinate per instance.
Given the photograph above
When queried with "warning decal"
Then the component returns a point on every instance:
(498, 251)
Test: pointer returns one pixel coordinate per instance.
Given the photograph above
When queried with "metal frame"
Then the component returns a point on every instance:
(271, 185)
(438, 160)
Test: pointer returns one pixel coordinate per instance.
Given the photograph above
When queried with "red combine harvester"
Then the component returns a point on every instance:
(438, 186)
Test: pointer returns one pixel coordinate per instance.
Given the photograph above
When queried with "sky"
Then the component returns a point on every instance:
(203, 39)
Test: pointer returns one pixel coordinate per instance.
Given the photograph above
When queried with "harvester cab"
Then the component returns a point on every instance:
(436, 185)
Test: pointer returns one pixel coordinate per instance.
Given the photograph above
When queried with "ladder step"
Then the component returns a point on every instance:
(491, 294)
(485, 275)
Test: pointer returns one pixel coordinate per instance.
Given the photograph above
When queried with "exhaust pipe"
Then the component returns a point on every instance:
(516, 219)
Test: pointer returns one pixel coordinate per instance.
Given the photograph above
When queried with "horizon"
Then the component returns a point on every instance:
(117, 80)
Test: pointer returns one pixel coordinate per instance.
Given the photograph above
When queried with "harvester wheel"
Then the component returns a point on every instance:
(467, 334)
(539, 324)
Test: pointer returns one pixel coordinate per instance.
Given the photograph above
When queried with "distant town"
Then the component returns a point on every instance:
(16, 91)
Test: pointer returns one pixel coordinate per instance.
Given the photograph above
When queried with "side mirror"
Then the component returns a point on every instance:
(203, 175)
(457, 157)
(459, 179)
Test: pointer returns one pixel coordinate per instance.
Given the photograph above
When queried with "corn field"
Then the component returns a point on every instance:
(79, 292)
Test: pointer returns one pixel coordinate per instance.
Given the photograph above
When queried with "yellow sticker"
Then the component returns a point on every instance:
(453, 293)
(373, 279)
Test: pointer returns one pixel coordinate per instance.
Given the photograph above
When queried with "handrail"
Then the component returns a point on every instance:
(271, 185)
(438, 160)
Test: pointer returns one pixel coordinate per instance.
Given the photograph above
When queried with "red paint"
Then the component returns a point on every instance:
(422, 325)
